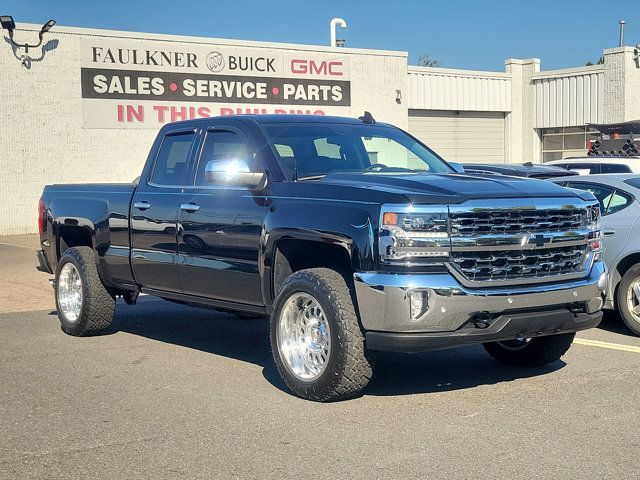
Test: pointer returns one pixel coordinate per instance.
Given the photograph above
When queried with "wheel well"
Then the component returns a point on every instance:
(625, 264)
(73, 237)
(293, 255)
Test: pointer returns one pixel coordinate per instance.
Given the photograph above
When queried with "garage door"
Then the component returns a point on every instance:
(461, 136)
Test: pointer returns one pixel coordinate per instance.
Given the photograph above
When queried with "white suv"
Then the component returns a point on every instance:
(596, 165)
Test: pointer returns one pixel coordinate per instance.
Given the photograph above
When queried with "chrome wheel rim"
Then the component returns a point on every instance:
(514, 345)
(70, 292)
(633, 299)
(304, 337)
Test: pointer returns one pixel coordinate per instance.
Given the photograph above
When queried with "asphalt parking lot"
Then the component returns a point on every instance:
(178, 392)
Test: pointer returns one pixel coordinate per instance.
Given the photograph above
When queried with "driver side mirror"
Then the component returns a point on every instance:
(233, 173)
(457, 167)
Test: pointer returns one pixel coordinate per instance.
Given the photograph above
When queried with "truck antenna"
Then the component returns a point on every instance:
(367, 118)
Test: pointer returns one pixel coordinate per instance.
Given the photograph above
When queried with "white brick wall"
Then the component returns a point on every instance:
(43, 140)
(522, 137)
(613, 87)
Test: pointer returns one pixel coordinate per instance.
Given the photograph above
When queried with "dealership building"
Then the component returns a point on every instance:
(86, 105)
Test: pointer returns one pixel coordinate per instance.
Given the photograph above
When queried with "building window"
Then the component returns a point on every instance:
(563, 142)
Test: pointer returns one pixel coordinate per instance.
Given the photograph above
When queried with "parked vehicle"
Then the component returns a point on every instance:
(598, 165)
(529, 170)
(350, 234)
(618, 197)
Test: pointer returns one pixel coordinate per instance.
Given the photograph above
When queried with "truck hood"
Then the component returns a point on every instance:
(452, 188)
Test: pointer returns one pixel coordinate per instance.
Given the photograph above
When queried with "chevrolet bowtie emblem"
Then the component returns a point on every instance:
(537, 240)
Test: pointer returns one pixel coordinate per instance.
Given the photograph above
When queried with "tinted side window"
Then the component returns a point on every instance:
(618, 201)
(173, 159)
(614, 168)
(220, 145)
(610, 199)
(602, 194)
(584, 168)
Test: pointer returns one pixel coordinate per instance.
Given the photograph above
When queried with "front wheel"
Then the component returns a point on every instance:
(316, 339)
(628, 299)
(531, 352)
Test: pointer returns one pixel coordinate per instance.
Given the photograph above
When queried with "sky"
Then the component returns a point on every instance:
(460, 34)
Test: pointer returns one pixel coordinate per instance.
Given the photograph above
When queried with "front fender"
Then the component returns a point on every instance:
(348, 226)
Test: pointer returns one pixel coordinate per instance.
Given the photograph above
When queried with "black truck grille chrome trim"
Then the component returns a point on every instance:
(471, 223)
(522, 264)
(528, 241)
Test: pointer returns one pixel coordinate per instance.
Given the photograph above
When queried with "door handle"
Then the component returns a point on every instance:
(609, 233)
(142, 205)
(190, 207)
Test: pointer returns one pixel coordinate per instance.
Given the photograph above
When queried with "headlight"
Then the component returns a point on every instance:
(410, 233)
(594, 217)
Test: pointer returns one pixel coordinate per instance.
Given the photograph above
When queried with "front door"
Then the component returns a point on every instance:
(154, 214)
(220, 227)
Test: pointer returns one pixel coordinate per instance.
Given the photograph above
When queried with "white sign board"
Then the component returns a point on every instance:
(145, 84)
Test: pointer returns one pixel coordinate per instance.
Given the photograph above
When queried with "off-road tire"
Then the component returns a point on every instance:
(349, 368)
(98, 305)
(621, 299)
(538, 352)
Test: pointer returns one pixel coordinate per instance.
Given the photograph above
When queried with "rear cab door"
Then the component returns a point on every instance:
(155, 207)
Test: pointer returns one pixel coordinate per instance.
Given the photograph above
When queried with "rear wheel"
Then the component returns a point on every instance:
(628, 299)
(84, 305)
(531, 352)
(317, 343)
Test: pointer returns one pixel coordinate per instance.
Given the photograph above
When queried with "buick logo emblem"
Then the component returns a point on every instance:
(215, 61)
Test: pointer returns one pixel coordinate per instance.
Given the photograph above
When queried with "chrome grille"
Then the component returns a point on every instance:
(508, 221)
(519, 264)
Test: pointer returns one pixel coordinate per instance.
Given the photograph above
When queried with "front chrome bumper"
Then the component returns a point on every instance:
(384, 301)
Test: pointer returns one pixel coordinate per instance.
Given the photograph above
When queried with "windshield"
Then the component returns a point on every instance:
(318, 149)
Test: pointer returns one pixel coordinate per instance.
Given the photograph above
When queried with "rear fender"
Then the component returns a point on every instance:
(95, 220)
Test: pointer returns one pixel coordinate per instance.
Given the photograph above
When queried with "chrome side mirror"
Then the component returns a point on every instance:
(234, 173)
(457, 167)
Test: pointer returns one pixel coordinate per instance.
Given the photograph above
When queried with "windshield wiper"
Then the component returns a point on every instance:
(385, 169)
(311, 177)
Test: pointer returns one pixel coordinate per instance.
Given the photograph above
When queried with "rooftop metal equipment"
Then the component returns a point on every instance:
(616, 139)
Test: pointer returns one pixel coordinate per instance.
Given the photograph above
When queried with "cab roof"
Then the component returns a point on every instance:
(272, 119)
(278, 118)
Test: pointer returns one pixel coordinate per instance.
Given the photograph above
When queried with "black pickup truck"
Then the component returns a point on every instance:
(350, 234)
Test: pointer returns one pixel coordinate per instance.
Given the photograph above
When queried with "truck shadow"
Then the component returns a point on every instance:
(444, 370)
(611, 322)
(248, 341)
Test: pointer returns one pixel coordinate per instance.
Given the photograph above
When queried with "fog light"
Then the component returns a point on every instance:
(419, 304)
